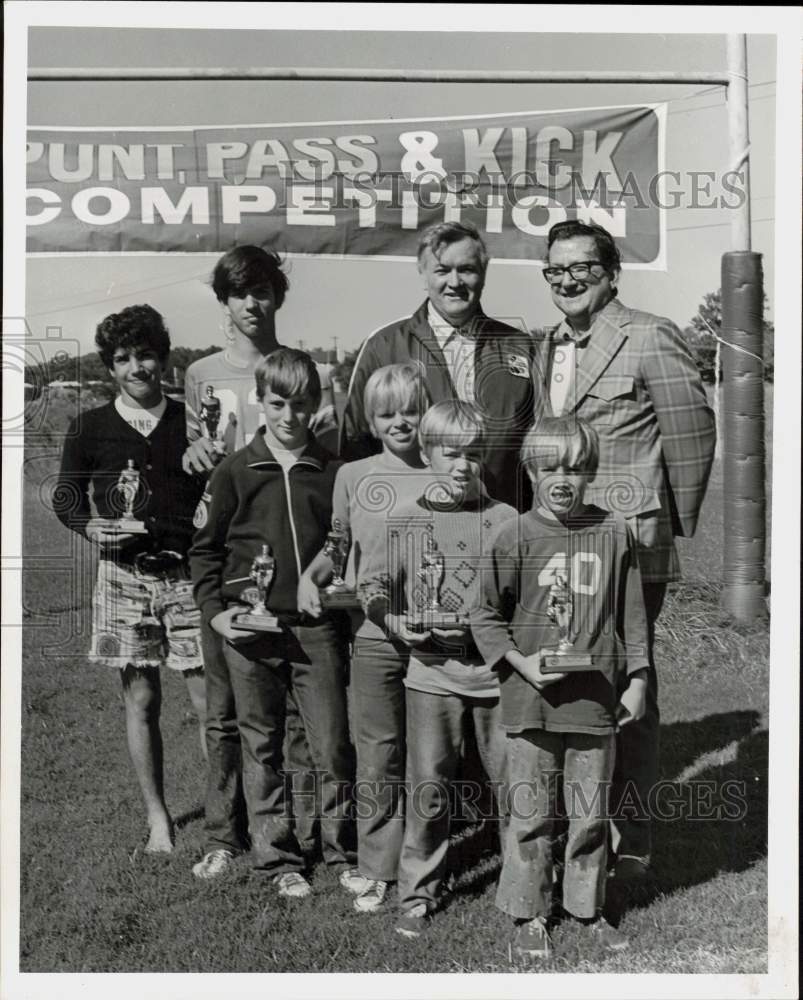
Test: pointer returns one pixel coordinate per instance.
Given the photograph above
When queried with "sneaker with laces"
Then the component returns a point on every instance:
(292, 885)
(531, 939)
(354, 881)
(607, 935)
(413, 922)
(372, 898)
(213, 863)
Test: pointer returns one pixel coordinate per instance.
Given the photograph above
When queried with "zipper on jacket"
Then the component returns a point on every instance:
(286, 475)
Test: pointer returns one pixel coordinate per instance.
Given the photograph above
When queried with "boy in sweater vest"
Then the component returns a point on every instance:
(434, 547)
(564, 575)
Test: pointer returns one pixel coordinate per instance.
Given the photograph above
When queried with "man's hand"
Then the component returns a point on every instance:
(107, 541)
(530, 668)
(201, 457)
(308, 596)
(221, 623)
(633, 703)
(644, 529)
(396, 626)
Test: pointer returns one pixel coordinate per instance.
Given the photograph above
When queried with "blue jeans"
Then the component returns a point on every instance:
(377, 687)
(434, 746)
(544, 766)
(225, 823)
(308, 661)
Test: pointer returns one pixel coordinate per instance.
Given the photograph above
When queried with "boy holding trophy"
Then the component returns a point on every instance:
(564, 623)
(367, 494)
(143, 616)
(420, 594)
(261, 521)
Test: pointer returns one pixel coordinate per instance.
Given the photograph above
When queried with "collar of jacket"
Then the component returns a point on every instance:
(477, 325)
(259, 455)
(612, 314)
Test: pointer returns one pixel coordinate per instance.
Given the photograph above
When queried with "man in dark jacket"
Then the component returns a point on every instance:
(464, 353)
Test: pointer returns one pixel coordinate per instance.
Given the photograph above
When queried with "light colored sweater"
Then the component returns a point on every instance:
(367, 496)
(464, 534)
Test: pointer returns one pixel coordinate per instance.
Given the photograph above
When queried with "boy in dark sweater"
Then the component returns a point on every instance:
(277, 492)
(433, 549)
(143, 615)
(563, 571)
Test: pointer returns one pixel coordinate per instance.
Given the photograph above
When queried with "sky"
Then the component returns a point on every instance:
(348, 299)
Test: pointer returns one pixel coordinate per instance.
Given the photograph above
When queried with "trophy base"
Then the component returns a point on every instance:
(119, 525)
(566, 663)
(255, 621)
(339, 597)
(425, 620)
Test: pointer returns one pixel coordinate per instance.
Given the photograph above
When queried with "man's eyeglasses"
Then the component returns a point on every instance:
(579, 271)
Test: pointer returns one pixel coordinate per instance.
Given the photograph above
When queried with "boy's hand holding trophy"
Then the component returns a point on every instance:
(258, 619)
(560, 609)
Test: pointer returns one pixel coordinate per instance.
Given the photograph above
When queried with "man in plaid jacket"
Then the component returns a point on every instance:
(630, 375)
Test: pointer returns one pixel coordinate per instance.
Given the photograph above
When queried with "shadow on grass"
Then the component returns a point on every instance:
(188, 817)
(715, 822)
(683, 743)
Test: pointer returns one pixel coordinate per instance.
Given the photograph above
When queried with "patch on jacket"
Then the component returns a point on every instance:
(518, 365)
(201, 515)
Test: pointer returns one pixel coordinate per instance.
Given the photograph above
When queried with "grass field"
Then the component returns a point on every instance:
(91, 901)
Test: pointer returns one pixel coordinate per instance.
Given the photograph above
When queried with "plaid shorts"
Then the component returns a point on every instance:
(144, 619)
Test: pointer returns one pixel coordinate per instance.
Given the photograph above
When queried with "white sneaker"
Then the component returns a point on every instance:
(213, 863)
(354, 881)
(292, 885)
(372, 898)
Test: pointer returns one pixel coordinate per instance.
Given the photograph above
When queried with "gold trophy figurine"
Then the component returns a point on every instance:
(337, 594)
(430, 573)
(561, 609)
(258, 619)
(127, 488)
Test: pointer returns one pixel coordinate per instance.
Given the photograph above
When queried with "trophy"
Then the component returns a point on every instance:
(210, 418)
(560, 610)
(430, 574)
(127, 486)
(258, 619)
(337, 594)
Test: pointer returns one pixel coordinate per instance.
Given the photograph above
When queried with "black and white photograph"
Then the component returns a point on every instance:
(401, 470)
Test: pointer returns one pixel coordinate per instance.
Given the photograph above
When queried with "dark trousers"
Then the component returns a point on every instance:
(307, 661)
(637, 755)
(226, 823)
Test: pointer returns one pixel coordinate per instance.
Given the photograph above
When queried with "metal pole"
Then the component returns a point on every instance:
(743, 453)
(84, 74)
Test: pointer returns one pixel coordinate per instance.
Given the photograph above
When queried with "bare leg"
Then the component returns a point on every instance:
(142, 693)
(196, 688)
